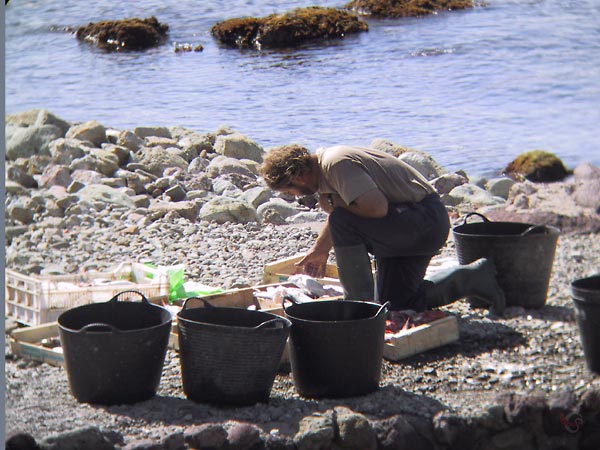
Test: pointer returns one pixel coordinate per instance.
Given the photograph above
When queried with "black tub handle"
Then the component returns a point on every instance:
(291, 299)
(533, 228)
(485, 219)
(87, 328)
(203, 300)
(277, 323)
(385, 306)
(115, 299)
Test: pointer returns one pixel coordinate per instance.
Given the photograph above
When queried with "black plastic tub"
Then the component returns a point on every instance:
(229, 356)
(336, 347)
(115, 351)
(523, 254)
(585, 293)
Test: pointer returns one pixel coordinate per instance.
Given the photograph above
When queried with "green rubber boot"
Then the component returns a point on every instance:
(354, 271)
(477, 279)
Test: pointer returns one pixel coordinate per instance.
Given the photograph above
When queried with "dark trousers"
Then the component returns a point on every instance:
(403, 242)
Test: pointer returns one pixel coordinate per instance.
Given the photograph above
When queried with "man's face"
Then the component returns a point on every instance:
(298, 187)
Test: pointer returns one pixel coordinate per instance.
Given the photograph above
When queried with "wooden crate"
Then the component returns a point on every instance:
(280, 270)
(421, 338)
(27, 342)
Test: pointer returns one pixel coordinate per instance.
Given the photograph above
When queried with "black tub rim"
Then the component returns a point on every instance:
(217, 326)
(529, 229)
(166, 317)
(381, 308)
(583, 292)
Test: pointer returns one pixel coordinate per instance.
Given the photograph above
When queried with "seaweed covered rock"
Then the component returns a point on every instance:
(126, 34)
(537, 165)
(405, 8)
(288, 29)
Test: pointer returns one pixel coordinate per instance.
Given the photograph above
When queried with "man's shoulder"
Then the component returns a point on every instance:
(337, 153)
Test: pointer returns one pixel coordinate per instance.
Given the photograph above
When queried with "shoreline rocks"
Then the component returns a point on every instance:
(79, 170)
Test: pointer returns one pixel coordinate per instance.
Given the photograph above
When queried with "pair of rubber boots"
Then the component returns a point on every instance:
(477, 279)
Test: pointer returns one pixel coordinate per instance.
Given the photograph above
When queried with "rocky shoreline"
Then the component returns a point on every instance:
(84, 196)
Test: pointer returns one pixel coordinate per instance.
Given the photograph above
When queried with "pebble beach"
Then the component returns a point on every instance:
(163, 188)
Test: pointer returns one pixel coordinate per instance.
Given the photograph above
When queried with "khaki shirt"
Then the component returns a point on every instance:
(353, 171)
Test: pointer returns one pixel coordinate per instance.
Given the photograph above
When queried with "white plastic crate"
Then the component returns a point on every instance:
(35, 300)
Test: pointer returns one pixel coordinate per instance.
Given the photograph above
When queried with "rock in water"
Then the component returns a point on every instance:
(126, 34)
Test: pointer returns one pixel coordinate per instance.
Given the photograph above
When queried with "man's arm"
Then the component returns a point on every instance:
(370, 205)
(315, 261)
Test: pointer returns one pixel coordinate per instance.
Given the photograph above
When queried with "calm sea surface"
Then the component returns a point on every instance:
(473, 88)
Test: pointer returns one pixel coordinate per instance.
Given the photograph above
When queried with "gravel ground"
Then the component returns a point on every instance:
(527, 351)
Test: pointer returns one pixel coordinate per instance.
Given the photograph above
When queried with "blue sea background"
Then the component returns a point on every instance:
(474, 88)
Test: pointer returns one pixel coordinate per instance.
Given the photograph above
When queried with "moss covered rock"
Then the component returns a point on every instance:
(537, 165)
(289, 29)
(126, 34)
(406, 8)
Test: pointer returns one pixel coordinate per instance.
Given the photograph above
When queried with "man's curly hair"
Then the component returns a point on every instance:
(282, 163)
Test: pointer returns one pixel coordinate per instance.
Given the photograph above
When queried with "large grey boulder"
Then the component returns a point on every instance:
(37, 117)
(107, 162)
(104, 194)
(306, 217)
(315, 432)
(448, 181)
(276, 206)
(238, 146)
(97, 162)
(55, 175)
(222, 185)
(424, 163)
(258, 195)
(222, 165)
(26, 142)
(156, 159)
(472, 195)
(186, 209)
(144, 132)
(121, 153)
(21, 176)
(64, 151)
(130, 140)
(20, 211)
(198, 165)
(587, 186)
(87, 176)
(225, 209)
(90, 438)
(196, 142)
(500, 187)
(354, 430)
(91, 131)
(387, 146)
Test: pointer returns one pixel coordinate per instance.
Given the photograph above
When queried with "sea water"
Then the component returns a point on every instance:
(474, 88)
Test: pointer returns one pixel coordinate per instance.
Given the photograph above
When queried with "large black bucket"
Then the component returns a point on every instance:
(115, 351)
(336, 347)
(585, 293)
(523, 254)
(229, 355)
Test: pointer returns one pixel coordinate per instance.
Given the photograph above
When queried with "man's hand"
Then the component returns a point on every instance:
(314, 264)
